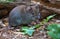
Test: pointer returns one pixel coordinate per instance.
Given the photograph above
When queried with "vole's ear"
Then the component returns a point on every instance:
(37, 6)
(29, 9)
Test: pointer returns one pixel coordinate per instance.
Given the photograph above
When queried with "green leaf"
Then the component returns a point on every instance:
(6, 1)
(54, 31)
(58, 25)
(51, 34)
(28, 31)
(35, 26)
(58, 36)
(49, 17)
(24, 28)
(52, 26)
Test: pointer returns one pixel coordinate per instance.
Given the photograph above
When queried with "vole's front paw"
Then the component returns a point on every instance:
(10, 28)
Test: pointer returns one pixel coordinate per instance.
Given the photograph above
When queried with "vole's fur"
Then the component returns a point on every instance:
(24, 14)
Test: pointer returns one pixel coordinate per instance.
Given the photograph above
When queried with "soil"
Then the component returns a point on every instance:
(47, 3)
(40, 33)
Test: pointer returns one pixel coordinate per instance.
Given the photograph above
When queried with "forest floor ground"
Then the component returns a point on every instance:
(40, 33)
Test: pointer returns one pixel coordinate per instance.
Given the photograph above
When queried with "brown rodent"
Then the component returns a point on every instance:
(24, 14)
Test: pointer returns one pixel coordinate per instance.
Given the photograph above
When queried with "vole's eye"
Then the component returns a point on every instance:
(32, 13)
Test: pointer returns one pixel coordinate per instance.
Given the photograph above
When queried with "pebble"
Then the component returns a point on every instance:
(58, 21)
(1, 23)
(45, 36)
(17, 30)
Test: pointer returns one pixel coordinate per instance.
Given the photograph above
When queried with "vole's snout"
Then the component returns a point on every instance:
(39, 16)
